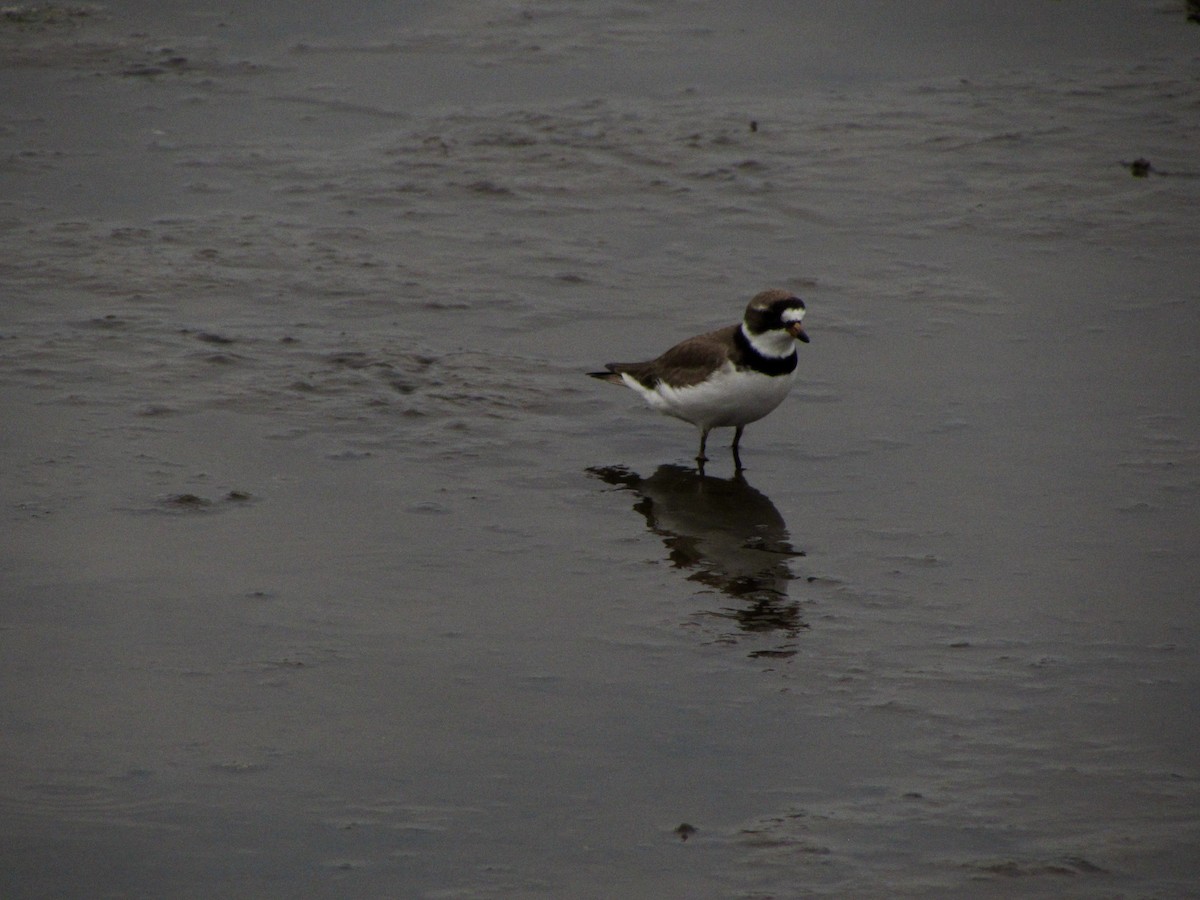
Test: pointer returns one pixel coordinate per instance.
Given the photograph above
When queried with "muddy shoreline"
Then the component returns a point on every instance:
(328, 572)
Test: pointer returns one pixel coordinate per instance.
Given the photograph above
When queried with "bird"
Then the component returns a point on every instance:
(726, 378)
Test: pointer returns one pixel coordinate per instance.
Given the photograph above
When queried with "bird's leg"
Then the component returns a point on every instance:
(701, 459)
(737, 460)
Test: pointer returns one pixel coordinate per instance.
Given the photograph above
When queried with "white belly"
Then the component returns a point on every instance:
(729, 398)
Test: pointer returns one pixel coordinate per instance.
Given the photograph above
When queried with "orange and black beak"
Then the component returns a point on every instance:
(796, 330)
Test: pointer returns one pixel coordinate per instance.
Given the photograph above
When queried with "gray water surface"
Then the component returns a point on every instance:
(327, 572)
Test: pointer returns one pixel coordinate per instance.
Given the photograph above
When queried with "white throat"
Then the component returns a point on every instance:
(775, 344)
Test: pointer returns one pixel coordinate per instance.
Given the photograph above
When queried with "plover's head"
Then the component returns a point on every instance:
(775, 311)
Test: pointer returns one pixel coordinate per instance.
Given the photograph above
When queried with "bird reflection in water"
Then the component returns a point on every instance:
(727, 535)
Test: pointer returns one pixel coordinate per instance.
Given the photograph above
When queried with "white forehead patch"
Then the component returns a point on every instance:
(792, 314)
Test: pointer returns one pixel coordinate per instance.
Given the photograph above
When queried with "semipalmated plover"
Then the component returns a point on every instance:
(727, 378)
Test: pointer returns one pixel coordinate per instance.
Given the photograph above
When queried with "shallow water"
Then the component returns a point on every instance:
(328, 573)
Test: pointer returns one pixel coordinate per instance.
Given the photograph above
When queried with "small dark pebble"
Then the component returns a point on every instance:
(1140, 167)
(772, 654)
(685, 831)
(210, 337)
(143, 71)
(194, 501)
(753, 125)
(108, 321)
(487, 186)
(351, 359)
(188, 501)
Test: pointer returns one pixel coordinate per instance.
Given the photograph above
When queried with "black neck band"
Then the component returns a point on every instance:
(768, 365)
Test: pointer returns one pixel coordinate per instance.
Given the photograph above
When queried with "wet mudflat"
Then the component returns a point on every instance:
(327, 572)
